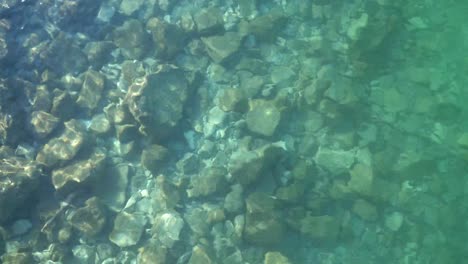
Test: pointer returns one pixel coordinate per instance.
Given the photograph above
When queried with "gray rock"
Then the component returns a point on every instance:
(263, 117)
(19, 179)
(220, 48)
(245, 166)
(208, 20)
(265, 27)
(209, 181)
(128, 7)
(199, 256)
(128, 229)
(63, 105)
(154, 157)
(4, 28)
(99, 52)
(90, 219)
(100, 124)
(323, 228)
(132, 39)
(152, 253)
(233, 202)
(169, 39)
(64, 147)
(167, 227)
(113, 184)
(362, 179)
(91, 91)
(197, 220)
(43, 123)
(232, 99)
(189, 164)
(42, 99)
(64, 56)
(21, 227)
(365, 210)
(157, 100)
(262, 224)
(274, 257)
(79, 173)
(335, 161)
(84, 254)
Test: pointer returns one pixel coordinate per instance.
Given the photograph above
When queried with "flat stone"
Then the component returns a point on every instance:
(209, 181)
(365, 210)
(208, 20)
(79, 173)
(91, 91)
(362, 179)
(323, 228)
(220, 48)
(263, 117)
(199, 256)
(128, 229)
(274, 257)
(90, 219)
(43, 123)
(64, 147)
(336, 161)
(154, 157)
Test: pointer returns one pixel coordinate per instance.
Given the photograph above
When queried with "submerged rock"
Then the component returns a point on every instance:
(79, 173)
(208, 20)
(323, 228)
(65, 147)
(128, 229)
(154, 157)
(64, 56)
(199, 256)
(157, 100)
(43, 123)
(169, 39)
(335, 161)
(273, 257)
(167, 227)
(262, 224)
(90, 219)
(91, 91)
(263, 117)
(220, 48)
(19, 178)
(132, 39)
(210, 180)
(152, 253)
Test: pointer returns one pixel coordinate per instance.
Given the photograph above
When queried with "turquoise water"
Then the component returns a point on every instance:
(140, 131)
